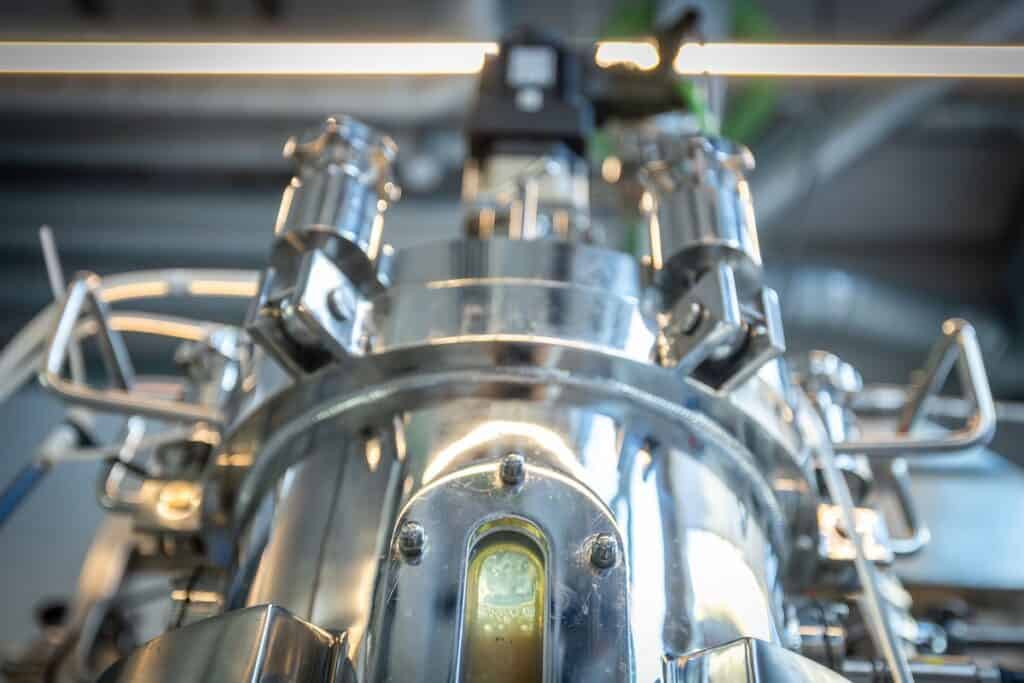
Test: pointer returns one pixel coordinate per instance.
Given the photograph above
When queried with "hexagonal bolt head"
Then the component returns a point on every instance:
(411, 540)
(512, 469)
(604, 551)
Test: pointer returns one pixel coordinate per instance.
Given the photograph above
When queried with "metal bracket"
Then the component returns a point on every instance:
(835, 544)
(708, 334)
(765, 339)
(167, 502)
(86, 291)
(959, 345)
(314, 301)
(705, 319)
(318, 319)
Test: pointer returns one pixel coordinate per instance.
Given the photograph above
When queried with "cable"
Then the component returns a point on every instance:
(18, 489)
(65, 435)
(877, 617)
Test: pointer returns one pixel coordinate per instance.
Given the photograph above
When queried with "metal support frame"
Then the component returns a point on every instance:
(958, 344)
(86, 290)
(919, 535)
(876, 615)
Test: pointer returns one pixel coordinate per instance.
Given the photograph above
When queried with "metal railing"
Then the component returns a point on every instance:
(958, 346)
(85, 292)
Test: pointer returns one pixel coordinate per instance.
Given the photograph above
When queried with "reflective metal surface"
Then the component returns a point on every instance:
(517, 456)
(719, 322)
(747, 660)
(516, 291)
(704, 606)
(704, 532)
(343, 182)
(702, 211)
(827, 383)
(586, 633)
(259, 644)
(523, 197)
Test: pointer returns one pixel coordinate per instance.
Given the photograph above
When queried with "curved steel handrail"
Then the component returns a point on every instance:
(958, 345)
(86, 291)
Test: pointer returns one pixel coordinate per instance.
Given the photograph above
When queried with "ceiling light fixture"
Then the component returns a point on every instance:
(467, 58)
(850, 61)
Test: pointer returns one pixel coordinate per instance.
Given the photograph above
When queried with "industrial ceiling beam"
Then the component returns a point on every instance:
(786, 177)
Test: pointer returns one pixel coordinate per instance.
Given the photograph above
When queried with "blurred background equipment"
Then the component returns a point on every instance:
(172, 160)
(887, 212)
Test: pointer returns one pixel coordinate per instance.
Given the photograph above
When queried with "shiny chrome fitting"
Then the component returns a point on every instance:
(529, 197)
(687, 340)
(312, 306)
(701, 212)
(343, 181)
(835, 544)
(320, 316)
(708, 333)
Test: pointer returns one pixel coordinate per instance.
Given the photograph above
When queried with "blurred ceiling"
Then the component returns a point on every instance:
(884, 206)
